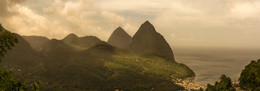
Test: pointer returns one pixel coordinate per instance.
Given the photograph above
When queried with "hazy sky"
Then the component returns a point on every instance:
(191, 23)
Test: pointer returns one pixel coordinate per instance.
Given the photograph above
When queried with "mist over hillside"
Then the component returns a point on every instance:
(80, 43)
(36, 41)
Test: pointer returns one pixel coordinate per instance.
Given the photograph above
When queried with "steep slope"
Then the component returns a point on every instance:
(120, 38)
(147, 41)
(80, 43)
(22, 58)
(36, 41)
(56, 48)
(99, 66)
(104, 67)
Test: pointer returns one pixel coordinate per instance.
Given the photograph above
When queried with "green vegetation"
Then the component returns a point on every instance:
(86, 63)
(8, 81)
(118, 72)
(147, 72)
(225, 84)
(7, 40)
(249, 79)
(150, 65)
(250, 76)
(104, 67)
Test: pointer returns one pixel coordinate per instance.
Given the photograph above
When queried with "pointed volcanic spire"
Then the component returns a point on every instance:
(120, 38)
(147, 41)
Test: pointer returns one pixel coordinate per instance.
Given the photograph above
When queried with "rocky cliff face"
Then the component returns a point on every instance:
(120, 38)
(147, 41)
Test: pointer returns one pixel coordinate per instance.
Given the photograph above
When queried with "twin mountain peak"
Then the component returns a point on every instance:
(145, 41)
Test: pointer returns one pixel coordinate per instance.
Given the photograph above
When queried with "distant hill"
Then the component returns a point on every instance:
(23, 58)
(120, 38)
(80, 43)
(147, 41)
(36, 41)
(56, 48)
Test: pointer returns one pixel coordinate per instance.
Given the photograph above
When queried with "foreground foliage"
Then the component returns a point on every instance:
(225, 84)
(249, 79)
(250, 76)
(7, 40)
(8, 82)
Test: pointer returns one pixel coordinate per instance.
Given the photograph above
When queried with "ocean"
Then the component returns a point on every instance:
(210, 63)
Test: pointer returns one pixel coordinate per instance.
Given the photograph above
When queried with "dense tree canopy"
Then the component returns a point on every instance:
(250, 76)
(7, 80)
(7, 40)
(9, 83)
(225, 84)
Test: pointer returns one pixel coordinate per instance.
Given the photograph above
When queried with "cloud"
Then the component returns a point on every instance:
(114, 20)
(5, 6)
(182, 22)
(58, 18)
(245, 10)
(222, 23)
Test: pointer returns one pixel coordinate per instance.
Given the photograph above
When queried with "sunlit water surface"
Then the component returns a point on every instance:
(209, 64)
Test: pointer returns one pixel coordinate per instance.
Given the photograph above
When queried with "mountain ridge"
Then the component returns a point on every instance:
(23, 58)
(36, 41)
(64, 64)
(56, 48)
(80, 43)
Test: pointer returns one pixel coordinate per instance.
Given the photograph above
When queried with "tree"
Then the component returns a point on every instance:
(8, 82)
(210, 88)
(7, 40)
(7, 79)
(250, 76)
(225, 84)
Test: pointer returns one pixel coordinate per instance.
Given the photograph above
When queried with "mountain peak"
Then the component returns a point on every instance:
(147, 26)
(147, 41)
(147, 22)
(120, 30)
(72, 35)
(120, 38)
